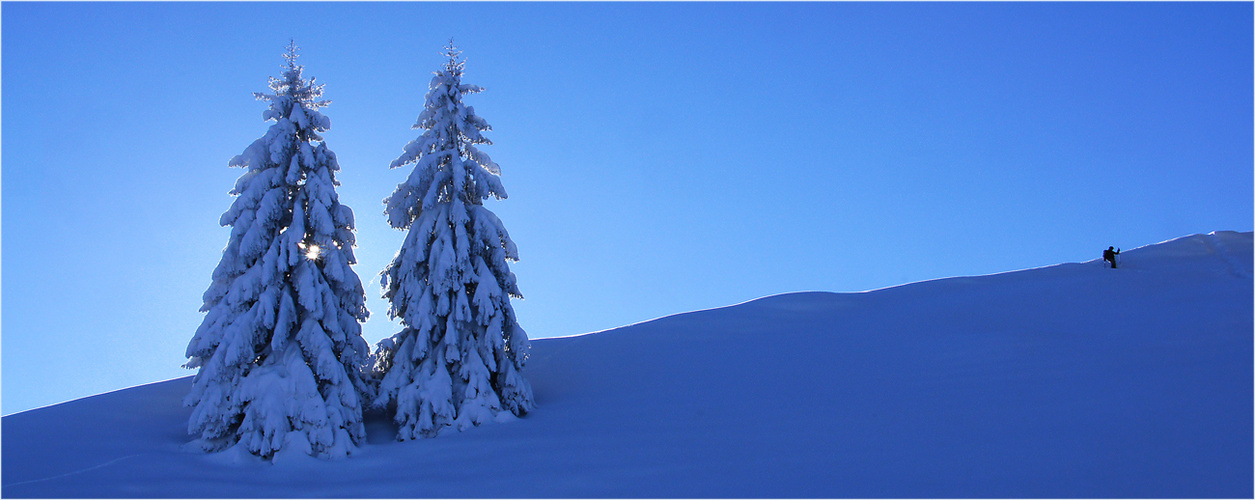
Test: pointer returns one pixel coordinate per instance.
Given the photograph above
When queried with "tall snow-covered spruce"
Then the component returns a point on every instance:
(281, 356)
(458, 359)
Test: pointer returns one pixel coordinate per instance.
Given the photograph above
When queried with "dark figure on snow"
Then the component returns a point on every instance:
(1109, 255)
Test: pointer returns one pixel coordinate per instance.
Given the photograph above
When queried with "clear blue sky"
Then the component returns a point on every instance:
(660, 157)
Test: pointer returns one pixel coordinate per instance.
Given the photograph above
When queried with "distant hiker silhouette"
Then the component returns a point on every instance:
(1110, 254)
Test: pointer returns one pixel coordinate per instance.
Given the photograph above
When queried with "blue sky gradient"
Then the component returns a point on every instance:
(660, 157)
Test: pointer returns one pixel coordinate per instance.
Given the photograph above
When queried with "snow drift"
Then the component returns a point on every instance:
(1071, 380)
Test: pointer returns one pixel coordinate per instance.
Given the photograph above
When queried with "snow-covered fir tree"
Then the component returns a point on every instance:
(458, 359)
(282, 361)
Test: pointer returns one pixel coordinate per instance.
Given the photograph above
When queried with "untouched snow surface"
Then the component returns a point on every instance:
(1064, 381)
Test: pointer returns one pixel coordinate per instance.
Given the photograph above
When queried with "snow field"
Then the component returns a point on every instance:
(1064, 381)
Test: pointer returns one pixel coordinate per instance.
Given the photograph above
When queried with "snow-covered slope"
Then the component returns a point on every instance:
(1063, 381)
